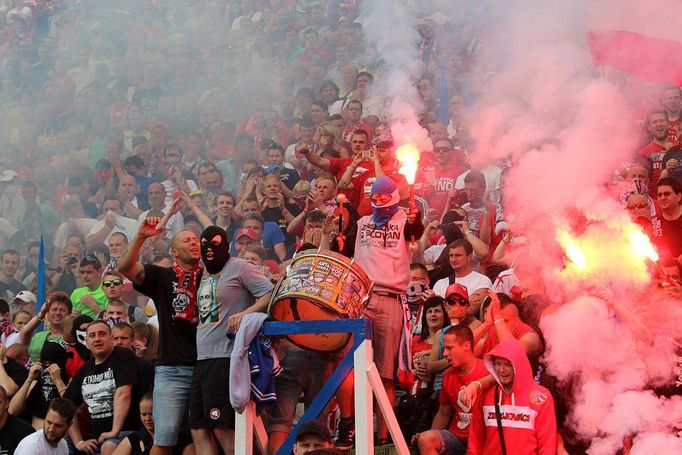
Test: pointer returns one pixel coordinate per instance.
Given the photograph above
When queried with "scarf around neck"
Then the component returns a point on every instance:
(185, 300)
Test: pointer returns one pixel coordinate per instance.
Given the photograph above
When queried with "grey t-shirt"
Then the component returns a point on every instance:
(220, 296)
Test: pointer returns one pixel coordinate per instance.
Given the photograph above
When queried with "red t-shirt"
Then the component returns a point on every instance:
(655, 153)
(452, 384)
(517, 328)
(338, 167)
(442, 179)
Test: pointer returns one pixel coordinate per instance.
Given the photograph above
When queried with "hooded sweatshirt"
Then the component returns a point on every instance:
(528, 419)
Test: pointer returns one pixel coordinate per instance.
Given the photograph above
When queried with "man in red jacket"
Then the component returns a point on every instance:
(516, 416)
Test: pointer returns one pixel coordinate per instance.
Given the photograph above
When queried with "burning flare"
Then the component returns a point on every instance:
(408, 155)
(616, 251)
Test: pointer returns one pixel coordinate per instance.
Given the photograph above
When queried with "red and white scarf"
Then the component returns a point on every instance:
(185, 300)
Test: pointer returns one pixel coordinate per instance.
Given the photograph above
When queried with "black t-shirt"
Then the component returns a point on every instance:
(276, 216)
(141, 442)
(289, 177)
(39, 397)
(96, 386)
(12, 433)
(16, 371)
(146, 370)
(177, 337)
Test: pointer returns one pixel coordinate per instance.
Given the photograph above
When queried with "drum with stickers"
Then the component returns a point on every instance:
(320, 285)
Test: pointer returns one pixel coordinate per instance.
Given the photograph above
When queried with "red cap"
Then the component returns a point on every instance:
(457, 289)
(247, 232)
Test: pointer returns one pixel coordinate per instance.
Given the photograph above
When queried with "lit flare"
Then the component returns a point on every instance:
(408, 155)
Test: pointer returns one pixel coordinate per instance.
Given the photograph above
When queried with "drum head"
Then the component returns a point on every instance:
(305, 310)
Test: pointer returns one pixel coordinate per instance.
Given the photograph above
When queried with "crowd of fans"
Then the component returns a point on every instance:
(252, 116)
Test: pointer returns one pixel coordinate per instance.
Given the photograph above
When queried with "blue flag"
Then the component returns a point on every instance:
(41, 290)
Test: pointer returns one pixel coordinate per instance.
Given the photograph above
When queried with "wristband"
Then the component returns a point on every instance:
(498, 320)
(79, 444)
(468, 232)
(479, 384)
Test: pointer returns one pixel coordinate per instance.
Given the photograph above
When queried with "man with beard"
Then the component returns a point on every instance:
(174, 291)
(654, 151)
(671, 100)
(51, 438)
(233, 289)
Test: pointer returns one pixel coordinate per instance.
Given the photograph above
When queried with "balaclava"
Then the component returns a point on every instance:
(214, 257)
(381, 214)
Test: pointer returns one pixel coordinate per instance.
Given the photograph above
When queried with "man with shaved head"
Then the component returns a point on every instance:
(174, 291)
(156, 195)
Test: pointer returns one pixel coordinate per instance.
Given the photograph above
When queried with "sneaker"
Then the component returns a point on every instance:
(346, 437)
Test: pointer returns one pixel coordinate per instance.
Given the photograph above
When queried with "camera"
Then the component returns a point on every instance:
(368, 154)
(72, 260)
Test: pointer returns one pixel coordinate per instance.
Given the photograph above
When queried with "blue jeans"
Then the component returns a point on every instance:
(172, 385)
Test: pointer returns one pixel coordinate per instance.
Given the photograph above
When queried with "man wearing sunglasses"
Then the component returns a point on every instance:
(89, 299)
(112, 285)
(435, 181)
(669, 195)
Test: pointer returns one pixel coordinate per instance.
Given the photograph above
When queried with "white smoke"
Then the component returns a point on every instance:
(391, 26)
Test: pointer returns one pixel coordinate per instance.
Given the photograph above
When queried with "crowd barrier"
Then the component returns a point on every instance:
(367, 387)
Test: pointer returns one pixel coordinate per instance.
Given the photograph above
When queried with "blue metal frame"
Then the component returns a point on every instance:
(360, 328)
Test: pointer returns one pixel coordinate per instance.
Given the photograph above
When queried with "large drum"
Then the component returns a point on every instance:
(320, 285)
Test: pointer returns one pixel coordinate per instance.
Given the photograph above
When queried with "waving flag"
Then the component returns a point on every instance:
(650, 59)
(640, 38)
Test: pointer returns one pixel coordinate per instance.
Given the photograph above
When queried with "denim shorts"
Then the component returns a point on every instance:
(172, 385)
(450, 444)
(116, 441)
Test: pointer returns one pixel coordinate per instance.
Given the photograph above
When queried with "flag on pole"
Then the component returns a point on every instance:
(41, 290)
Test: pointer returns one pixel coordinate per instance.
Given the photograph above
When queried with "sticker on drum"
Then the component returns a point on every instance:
(318, 277)
(327, 294)
(336, 272)
(331, 280)
(341, 302)
(323, 265)
(311, 290)
(305, 266)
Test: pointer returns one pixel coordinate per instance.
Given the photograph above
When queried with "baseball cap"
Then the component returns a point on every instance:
(26, 297)
(457, 289)
(247, 232)
(314, 427)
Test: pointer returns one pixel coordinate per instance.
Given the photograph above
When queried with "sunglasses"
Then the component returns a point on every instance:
(460, 302)
(110, 283)
(92, 260)
(637, 206)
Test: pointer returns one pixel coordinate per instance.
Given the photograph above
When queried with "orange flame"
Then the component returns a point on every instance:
(408, 155)
(573, 251)
(641, 245)
(617, 251)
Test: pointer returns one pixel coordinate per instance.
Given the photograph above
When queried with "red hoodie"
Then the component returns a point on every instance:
(528, 419)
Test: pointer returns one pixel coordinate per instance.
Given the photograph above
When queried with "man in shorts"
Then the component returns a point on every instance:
(232, 289)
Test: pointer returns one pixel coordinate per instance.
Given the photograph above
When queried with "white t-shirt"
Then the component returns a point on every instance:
(128, 226)
(473, 282)
(35, 444)
(83, 225)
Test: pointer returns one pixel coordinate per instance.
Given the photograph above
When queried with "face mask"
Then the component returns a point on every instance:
(81, 336)
(113, 321)
(219, 253)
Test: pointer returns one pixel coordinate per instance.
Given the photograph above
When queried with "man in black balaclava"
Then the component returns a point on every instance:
(232, 289)
(215, 249)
